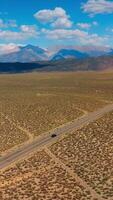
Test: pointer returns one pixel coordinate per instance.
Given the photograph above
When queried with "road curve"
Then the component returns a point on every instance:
(23, 151)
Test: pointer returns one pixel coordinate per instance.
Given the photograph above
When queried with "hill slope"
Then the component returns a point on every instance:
(87, 64)
(28, 54)
(68, 53)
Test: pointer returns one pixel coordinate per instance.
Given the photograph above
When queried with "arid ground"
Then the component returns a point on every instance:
(77, 166)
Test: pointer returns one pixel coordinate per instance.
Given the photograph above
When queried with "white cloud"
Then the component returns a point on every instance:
(87, 25)
(75, 35)
(12, 35)
(63, 33)
(84, 25)
(94, 39)
(49, 15)
(28, 28)
(58, 17)
(94, 7)
(8, 48)
(62, 23)
(25, 32)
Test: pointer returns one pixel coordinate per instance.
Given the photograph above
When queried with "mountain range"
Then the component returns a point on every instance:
(30, 53)
(34, 58)
(69, 64)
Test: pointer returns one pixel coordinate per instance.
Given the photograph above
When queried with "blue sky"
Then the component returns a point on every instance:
(50, 23)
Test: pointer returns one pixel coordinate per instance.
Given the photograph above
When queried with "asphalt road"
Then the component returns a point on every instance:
(23, 151)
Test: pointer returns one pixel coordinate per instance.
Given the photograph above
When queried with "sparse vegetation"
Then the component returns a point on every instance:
(31, 104)
(89, 153)
(10, 135)
(41, 102)
(39, 177)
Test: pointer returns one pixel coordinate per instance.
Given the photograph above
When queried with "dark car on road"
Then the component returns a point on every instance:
(53, 135)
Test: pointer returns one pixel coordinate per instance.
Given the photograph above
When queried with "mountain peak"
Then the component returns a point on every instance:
(29, 46)
(28, 53)
(69, 53)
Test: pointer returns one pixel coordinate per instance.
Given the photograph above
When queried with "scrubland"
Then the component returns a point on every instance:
(32, 104)
(40, 102)
(10, 135)
(89, 153)
(40, 177)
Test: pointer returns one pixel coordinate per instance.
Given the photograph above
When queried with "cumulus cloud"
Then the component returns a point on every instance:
(92, 39)
(25, 32)
(61, 23)
(76, 35)
(87, 25)
(28, 28)
(94, 7)
(58, 17)
(50, 15)
(84, 25)
(63, 33)
(8, 48)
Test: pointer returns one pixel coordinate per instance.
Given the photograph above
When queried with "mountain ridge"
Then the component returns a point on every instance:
(68, 53)
(31, 53)
(28, 53)
(87, 64)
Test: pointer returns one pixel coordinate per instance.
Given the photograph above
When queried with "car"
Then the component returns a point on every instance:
(53, 135)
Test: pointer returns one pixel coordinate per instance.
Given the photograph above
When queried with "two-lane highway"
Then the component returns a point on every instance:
(26, 149)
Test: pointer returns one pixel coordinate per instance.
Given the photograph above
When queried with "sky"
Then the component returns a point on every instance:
(53, 23)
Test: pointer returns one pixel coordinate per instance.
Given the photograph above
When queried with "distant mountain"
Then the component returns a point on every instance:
(68, 53)
(27, 54)
(86, 64)
(34, 54)
(110, 53)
